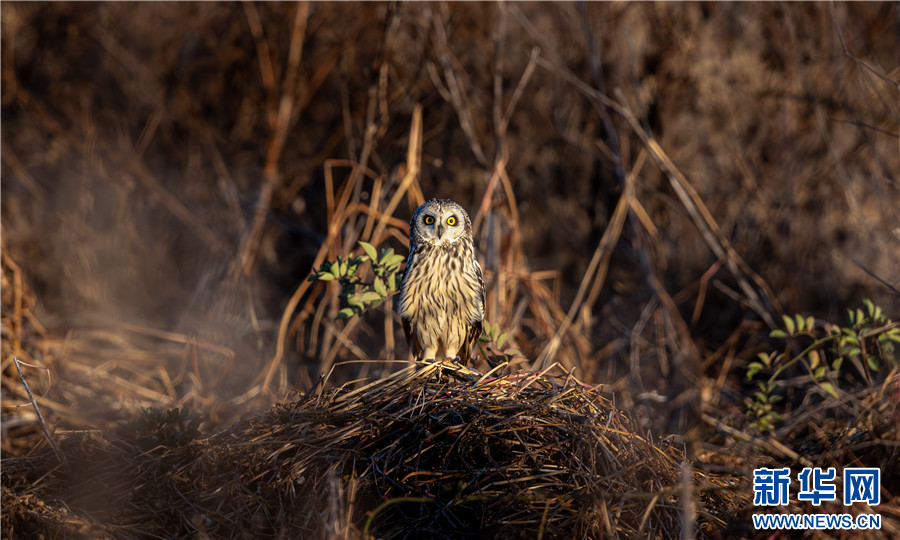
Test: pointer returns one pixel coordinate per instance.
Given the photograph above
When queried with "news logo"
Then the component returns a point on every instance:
(772, 487)
(862, 485)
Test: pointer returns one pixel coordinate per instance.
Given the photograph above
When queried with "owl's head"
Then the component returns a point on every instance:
(439, 222)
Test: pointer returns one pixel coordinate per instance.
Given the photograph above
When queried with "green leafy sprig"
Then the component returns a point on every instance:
(869, 337)
(357, 294)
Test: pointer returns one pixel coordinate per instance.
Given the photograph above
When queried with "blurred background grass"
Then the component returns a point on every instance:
(170, 169)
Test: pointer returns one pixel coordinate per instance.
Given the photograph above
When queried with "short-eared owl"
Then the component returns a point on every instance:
(442, 294)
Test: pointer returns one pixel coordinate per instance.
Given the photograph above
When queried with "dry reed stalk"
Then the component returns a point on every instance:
(280, 117)
(37, 411)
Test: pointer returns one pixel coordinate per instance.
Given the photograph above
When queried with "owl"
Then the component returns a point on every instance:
(441, 299)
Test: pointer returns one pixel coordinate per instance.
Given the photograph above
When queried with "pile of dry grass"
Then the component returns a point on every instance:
(438, 450)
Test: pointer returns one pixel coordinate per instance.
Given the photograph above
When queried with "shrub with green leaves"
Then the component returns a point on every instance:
(357, 294)
(493, 340)
(867, 342)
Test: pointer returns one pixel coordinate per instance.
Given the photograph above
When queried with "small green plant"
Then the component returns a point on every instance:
(492, 341)
(162, 427)
(869, 335)
(762, 410)
(358, 295)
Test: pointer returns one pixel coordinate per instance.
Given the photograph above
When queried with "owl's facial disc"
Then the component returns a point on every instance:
(447, 229)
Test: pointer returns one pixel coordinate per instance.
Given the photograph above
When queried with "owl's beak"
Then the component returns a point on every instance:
(440, 231)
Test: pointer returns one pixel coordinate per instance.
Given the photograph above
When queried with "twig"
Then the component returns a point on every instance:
(413, 165)
(686, 494)
(517, 93)
(880, 280)
(601, 253)
(704, 284)
(44, 429)
(280, 121)
(458, 97)
(860, 61)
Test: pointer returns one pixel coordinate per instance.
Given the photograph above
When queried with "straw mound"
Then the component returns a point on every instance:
(435, 450)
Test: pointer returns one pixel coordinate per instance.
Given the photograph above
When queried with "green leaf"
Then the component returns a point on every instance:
(385, 255)
(394, 260)
(789, 324)
(801, 322)
(370, 250)
(501, 340)
(335, 267)
(810, 322)
(778, 333)
(343, 268)
(872, 361)
(378, 284)
(355, 301)
(753, 369)
(345, 313)
(813, 359)
(325, 276)
(828, 387)
(392, 282)
(368, 297)
(819, 372)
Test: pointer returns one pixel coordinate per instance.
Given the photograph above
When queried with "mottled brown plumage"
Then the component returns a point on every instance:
(442, 293)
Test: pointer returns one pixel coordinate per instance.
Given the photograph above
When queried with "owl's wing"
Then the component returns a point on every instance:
(476, 327)
(474, 332)
(412, 337)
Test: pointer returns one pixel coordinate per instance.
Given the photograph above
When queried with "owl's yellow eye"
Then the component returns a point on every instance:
(451, 220)
(429, 220)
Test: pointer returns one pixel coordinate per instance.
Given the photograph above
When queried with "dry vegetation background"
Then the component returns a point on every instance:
(652, 187)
